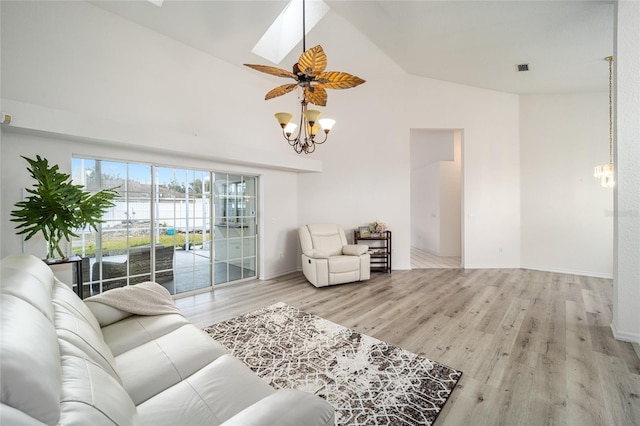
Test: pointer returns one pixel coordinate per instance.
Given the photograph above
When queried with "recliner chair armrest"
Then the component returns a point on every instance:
(355, 249)
(317, 254)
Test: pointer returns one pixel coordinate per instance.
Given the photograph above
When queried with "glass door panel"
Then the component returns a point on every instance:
(183, 223)
(235, 227)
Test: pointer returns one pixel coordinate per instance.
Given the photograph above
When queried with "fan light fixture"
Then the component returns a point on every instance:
(310, 75)
(605, 172)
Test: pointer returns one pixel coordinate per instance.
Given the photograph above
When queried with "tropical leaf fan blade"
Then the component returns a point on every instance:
(338, 80)
(278, 72)
(313, 61)
(280, 90)
(316, 95)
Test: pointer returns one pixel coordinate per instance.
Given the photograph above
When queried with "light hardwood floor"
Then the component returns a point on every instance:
(535, 348)
(421, 259)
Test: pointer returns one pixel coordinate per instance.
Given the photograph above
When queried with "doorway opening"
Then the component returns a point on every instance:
(437, 233)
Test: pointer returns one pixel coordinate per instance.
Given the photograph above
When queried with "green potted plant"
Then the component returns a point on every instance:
(57, 207)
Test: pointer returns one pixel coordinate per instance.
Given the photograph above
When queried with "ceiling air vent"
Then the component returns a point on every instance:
(523, 67)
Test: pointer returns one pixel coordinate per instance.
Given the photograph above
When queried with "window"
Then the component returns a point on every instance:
(167, 226)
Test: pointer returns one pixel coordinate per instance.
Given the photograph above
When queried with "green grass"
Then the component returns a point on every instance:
(119, 246)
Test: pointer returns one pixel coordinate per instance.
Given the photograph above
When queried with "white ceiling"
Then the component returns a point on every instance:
(476, 42)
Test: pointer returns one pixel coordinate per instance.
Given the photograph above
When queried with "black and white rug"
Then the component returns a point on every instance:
(369, 382)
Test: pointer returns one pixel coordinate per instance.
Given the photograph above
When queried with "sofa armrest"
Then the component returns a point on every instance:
(355, 249)
(289, 407)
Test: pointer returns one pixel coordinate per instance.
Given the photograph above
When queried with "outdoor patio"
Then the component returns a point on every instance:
(191, 271)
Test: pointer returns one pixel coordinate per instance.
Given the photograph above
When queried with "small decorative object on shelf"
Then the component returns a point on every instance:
(379, 248)
(364, 231)
(379, 227)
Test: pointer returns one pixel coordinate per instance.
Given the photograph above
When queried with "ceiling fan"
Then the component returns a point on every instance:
(309, 73)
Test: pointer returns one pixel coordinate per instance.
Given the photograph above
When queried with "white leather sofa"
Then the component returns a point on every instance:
(66, 363)
(328, 259)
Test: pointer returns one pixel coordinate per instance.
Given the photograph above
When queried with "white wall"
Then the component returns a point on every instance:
(425, 208)
(427, 148)
(451, 200)
(100, 73)
(567, 216)
(74, 61)
(430, 145)
(626, 281)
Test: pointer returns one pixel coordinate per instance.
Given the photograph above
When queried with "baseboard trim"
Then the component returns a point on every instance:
(401, 267)
(568, 271)
(625, 336)
(279, 274)
(484, 266)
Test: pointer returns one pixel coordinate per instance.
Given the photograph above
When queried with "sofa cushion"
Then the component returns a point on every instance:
(12, 416)
(136, 330)
(77, 337)
(150, 368)
(65, 297)
(340, 264)
(29, 279)
(30, 368)
(105, 314)
(210, 396)
(91, 396)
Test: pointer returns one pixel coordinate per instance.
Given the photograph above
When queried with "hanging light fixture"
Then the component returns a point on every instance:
(310, 75)
(305, 139)
(605, 172)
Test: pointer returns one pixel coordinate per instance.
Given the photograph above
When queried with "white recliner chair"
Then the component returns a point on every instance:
(328, 259)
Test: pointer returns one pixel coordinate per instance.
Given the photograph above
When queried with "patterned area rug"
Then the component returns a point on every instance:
(369, 382)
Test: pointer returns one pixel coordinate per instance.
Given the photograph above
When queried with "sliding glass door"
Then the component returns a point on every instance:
(186, 229)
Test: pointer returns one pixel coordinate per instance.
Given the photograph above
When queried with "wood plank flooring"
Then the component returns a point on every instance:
(535, 347)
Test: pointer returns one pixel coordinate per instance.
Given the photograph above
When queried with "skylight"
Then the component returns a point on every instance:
(286, 31)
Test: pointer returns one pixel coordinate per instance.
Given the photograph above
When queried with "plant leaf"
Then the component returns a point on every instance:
(56, 207)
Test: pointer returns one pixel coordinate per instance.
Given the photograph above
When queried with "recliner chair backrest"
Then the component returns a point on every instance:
(326, 237)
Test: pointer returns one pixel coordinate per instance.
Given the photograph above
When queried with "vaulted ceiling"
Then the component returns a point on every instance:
(478, 42)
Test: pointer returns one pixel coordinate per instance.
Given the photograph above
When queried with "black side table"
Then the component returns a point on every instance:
(77, 263)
